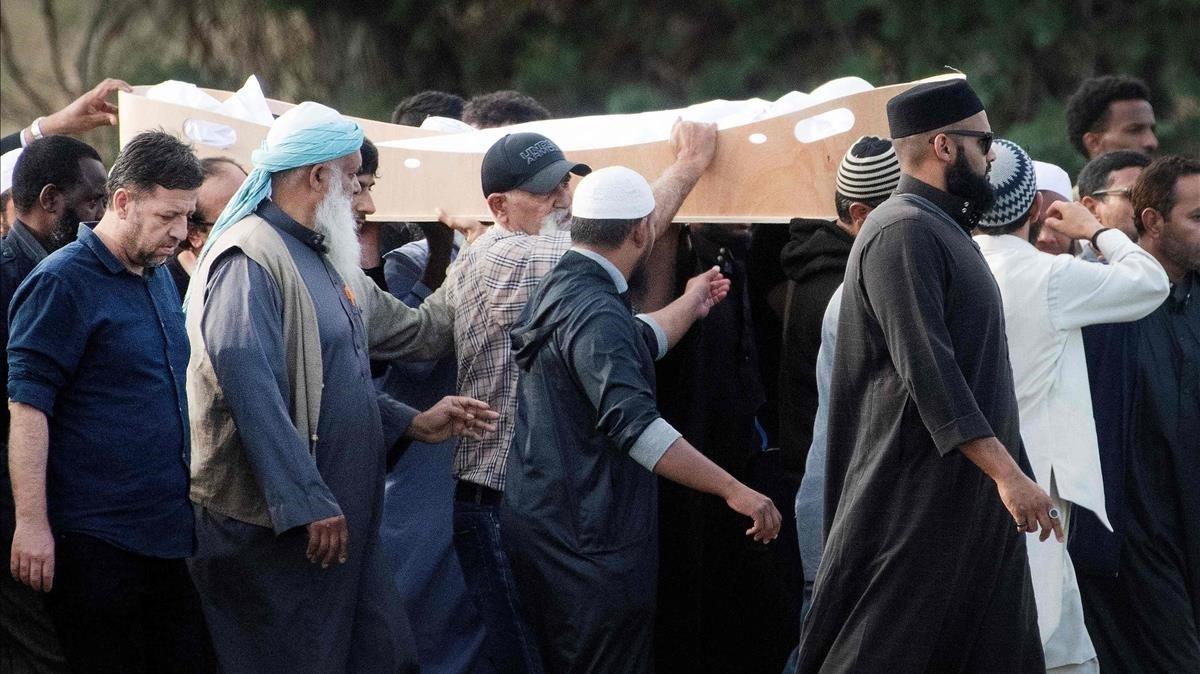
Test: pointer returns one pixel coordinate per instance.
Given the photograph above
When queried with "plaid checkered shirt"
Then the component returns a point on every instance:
(493, 280)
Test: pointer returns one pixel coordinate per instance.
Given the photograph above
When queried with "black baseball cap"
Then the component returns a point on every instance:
(526, 161)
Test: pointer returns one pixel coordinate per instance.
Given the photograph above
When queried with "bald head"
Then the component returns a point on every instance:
(222, 178)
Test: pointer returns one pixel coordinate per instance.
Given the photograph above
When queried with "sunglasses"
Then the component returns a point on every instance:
(985, 138)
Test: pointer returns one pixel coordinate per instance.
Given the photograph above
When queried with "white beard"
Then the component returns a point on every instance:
(558, 220)
(335, 221)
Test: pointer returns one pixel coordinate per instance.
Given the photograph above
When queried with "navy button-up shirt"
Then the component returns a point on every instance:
(103, 353)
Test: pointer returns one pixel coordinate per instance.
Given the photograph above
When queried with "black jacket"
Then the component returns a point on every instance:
(815, 262)
(580, 515)
(10, 142)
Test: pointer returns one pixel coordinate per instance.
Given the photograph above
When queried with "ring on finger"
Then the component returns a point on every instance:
(1054, 513)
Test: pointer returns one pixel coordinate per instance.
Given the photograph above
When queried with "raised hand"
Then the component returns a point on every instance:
(87, 112)
(469, 227)
(694, 142)
(1071, 219)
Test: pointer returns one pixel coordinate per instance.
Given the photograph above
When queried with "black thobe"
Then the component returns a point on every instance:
(1146, 618)
(923, 567)
(579, 516)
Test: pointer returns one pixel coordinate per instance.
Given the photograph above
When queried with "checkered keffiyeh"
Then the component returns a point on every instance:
(494, 279)
(1015, 180)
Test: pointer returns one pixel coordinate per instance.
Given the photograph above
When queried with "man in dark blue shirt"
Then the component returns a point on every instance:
(58, 182)
(99, 444)
(1141, 583)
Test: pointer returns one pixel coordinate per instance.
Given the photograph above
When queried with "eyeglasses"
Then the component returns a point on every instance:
(1123, 192)
(985, 138)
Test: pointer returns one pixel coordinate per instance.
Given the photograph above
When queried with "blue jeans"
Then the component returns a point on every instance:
(508, 643)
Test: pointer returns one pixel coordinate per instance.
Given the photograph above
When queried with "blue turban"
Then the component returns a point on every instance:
(321, 134)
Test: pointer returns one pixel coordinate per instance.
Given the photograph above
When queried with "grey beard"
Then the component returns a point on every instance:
(335, 221)
(558, 220)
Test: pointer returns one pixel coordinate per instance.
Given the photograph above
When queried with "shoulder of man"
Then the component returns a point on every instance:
(64, 261)
(253, 236)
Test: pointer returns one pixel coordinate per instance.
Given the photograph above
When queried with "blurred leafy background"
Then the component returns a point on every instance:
(1025, 57)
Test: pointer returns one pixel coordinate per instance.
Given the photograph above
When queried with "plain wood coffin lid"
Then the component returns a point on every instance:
(763, 172)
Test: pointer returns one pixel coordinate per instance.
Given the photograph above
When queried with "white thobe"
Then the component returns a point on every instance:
(1047, 299)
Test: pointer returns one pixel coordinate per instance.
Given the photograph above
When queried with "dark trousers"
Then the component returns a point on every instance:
(508, 643)
(28, 644)
(117, 611)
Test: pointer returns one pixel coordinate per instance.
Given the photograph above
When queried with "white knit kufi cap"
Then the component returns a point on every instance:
(1015, 182)
(869, 170)
(1052, 179)
(612, 193)
(304, 116)
(8, 162)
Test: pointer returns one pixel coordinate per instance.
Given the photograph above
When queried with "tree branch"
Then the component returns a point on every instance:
(55, 44)
(83, 59)
(17, 73)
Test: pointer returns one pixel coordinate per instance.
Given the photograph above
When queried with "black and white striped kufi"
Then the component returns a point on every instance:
(1014, 178)
(869, 170)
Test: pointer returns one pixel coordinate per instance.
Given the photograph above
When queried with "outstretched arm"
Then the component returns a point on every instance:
(702, 293)
(684, 464)
(85, 113)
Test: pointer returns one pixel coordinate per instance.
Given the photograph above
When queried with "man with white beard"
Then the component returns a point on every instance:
(288, 447)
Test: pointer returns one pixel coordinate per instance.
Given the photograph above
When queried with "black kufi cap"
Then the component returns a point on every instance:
(931, 106)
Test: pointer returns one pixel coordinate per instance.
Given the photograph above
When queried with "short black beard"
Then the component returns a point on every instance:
(65, 230)
(963, 182)
(1035, 230)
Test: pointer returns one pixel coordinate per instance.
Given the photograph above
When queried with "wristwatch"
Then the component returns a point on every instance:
(1097, 233)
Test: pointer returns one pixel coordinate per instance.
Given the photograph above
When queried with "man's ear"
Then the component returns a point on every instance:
(1091, 143)
(941, 149)
(641, 233)
(1091, 203)
(498, 204)
(51, 199)
(316, 178)
(1152, 223)
(122, 203)
(1035, 209)
(858, 213)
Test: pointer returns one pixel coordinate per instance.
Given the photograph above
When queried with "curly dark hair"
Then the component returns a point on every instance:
(53, 160)
(414, 109)
(502, 108)
(1095, 174)
(1087, 108)
(155, 158)
(1155, 188)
